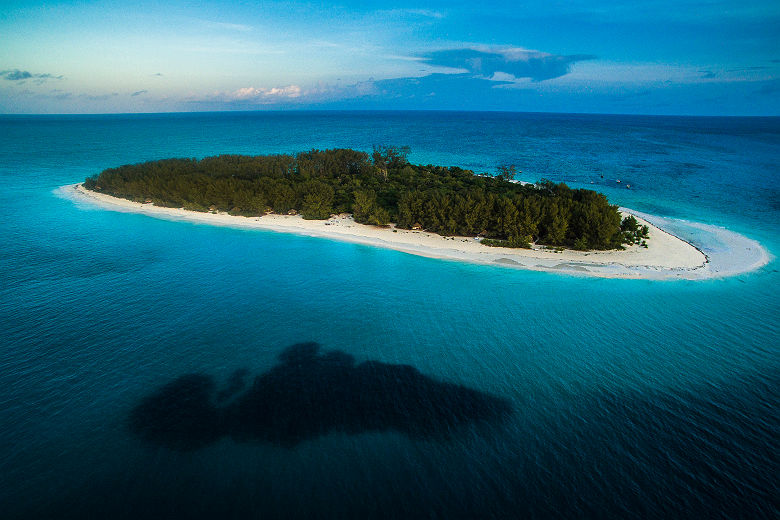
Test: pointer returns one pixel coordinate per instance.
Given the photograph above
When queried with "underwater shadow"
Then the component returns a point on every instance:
(307, 395)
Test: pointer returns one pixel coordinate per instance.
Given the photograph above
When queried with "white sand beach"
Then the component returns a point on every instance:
(666, 257)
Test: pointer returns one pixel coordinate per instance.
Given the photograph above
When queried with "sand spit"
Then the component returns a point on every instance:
(666, 257)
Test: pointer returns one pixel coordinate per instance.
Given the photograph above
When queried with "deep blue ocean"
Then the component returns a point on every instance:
(160, 369)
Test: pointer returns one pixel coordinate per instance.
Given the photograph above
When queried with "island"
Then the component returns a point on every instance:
(382, 199)
(378, 189)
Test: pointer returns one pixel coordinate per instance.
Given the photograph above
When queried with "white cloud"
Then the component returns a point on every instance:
(228, 26)
(602, 72)
(485, 61)
(423, 13)
(286, 95)
(502, 76)
(265, 94)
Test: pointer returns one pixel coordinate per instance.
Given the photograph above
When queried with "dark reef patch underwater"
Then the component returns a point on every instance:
(308, 395)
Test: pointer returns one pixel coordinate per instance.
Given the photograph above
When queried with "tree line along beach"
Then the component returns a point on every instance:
(380, 199)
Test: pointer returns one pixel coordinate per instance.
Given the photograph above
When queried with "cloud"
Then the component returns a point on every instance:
(286, 96)
(491, 75)
(138, 93)
(233, 26)
(453, 74)
(22, 75)
(16, 75)
(448, 88)
(98, 97)
(752, 73)
(520, 63)
(427, 13)
(264, 95)
(503, 77)
(61, 94)
(227, 26)
(756, 68)
(423, 13)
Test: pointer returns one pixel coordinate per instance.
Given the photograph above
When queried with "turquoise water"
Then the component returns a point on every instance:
(529, 394)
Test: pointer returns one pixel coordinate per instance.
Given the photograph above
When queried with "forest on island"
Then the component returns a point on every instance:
(379, 188)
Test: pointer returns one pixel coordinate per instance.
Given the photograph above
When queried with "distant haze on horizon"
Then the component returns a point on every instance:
(647, 57)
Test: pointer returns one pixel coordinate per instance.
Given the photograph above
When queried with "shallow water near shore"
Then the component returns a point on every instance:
(516, 393)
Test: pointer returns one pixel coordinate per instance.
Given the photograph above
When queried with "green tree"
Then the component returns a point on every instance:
(317, 201)
(365, 203)
(506, 172)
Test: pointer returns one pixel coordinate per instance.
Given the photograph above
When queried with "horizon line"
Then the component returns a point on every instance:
(369, 110)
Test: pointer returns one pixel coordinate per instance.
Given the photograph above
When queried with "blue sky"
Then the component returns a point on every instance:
(649, 57)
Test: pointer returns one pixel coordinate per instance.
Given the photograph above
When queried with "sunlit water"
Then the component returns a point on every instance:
(439, 389)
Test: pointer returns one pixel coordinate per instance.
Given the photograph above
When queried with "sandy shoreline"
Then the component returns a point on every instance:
(666, 257)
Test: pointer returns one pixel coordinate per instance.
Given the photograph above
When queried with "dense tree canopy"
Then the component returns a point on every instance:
(377, 189)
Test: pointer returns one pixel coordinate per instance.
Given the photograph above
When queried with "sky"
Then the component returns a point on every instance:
(666, 57)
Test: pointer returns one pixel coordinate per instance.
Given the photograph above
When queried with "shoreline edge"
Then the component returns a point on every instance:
(667, 257)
